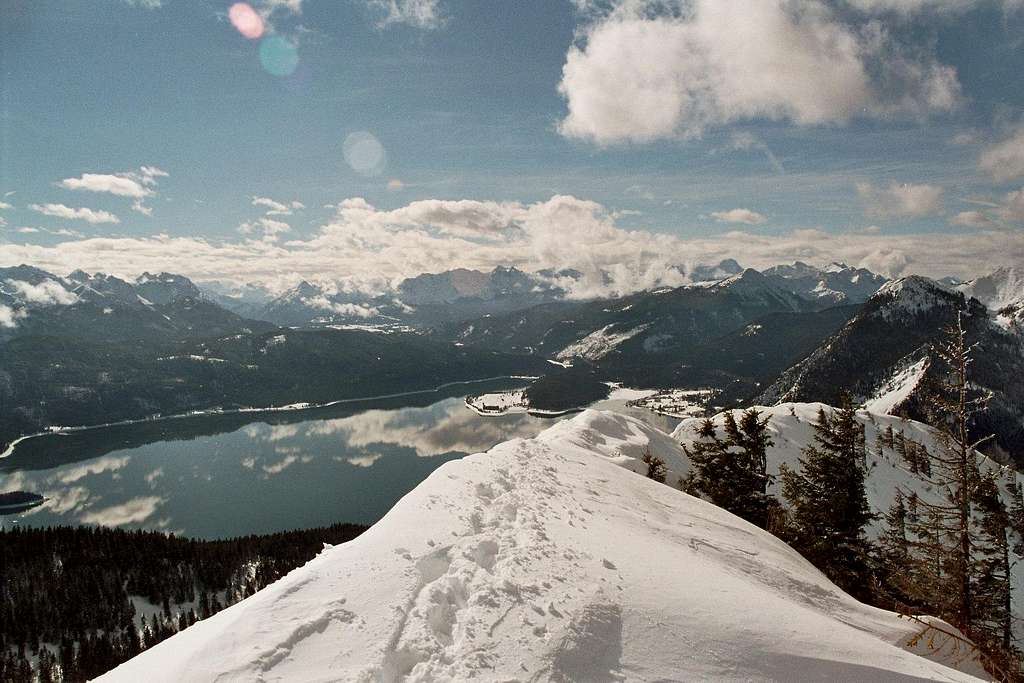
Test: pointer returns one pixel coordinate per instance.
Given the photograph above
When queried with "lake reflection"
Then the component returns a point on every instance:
(258, 478)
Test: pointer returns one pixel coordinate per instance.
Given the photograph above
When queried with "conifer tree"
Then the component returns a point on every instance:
(827, 500)
(709, 457)
(894, 551)
(945, 530)
(994, 622)
(655, 466)
(732, 472)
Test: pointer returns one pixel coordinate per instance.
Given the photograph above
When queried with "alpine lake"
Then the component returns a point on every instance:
(226, 475)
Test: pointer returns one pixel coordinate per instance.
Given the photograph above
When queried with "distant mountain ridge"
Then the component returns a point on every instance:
(461, 294)
(101, 307)
(835, 284)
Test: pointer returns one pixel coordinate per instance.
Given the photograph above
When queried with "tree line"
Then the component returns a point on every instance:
(949, 554)
(66, 608)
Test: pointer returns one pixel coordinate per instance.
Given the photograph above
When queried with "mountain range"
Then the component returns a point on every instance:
(87, 344)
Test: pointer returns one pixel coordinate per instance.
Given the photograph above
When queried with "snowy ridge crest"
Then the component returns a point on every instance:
(546, 560)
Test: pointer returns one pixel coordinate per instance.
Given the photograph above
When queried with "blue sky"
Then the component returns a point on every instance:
(687, 130)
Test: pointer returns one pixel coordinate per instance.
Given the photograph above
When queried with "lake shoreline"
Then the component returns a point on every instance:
(256, 412)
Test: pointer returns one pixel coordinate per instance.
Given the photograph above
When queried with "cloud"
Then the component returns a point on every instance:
(744, 140)
(122, 186)
(322, 302)
(395, 185)
(67, 212)
(1004, 160)
(144, 4)
(5, 205)
(1012, 209)
(1008, 212)
(888, 261)
(972, 219)
(745, 216)
(900, 200)
(136, 185)
(47, 292)
(421, 14)
(458, 217)
(269, 228)
(641, 191)
(9, 316)
(374, 249)
(640, 75)
(276, 208)
(906, 8)
(293, 6)
(59, 232)
(139, 207)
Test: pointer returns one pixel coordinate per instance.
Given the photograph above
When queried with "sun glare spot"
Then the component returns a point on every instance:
(278, 56)
(246, 20)
(364, 153)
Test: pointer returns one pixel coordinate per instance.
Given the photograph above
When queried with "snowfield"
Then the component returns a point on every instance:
(549, 560)
(598, 343)
(898, 389)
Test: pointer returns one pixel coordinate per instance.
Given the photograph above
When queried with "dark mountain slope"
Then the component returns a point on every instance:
(897, 326)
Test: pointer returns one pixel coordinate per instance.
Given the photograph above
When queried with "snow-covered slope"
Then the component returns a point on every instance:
(999, 289)
(1002, 291)
(599, 343)
(541, 560)
(900, 387)
(791, 426)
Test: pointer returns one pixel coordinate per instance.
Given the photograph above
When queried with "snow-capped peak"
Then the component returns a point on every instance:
(1002, 288)
(911, 294)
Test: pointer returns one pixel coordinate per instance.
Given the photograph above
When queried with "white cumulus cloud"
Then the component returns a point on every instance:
(122, 186)
(136, 185)
(640, 74)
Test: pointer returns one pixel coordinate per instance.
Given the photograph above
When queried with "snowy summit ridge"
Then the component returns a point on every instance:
(547, 559)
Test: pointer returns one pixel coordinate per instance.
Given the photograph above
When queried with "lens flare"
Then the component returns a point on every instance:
(246, 20)
(278, 56)
(364, 153)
